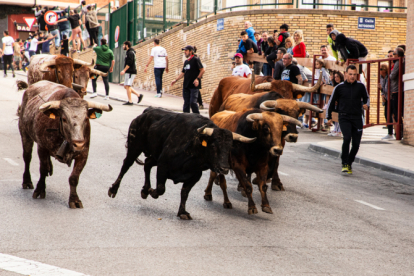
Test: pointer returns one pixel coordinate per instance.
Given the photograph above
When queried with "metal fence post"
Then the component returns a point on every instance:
(188, 12)
(135, 7)
(215, 6)
(143, 18)
(164, 14)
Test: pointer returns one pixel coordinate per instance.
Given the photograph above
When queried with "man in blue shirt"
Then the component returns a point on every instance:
(46, 43)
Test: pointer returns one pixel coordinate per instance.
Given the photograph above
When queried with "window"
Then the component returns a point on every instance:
(206, 5)
(385, 4)
(231, 3)
(174, 9)
(270, 2)
(324, 7)
(360, 2)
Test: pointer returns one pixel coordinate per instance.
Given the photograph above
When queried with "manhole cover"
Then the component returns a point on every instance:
(374, 142)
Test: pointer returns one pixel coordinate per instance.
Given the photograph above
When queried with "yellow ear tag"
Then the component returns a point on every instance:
(300, 114)
(52, 116)
(284, 128)
(92, 116)
(204, 143)
(299, 96)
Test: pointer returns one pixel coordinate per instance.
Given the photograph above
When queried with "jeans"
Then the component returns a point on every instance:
(65, 32)
(105, 79)
(32, 53)
(158, 72)
(351, 127)
(190, 100)
(267, 70)
(57, 38)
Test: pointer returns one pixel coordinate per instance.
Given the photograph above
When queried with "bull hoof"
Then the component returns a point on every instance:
(144, 194)
(267, 209)
(112, 192)
(227, 205)
(153, 193)
(28, 185)
(185, 217)
(243, 193)
(278, 187)
(208, 197)
(252, 210)
(75, 205)
(37, 194)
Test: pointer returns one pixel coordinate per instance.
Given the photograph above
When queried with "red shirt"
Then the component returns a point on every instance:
(299, 50)
(280, 38)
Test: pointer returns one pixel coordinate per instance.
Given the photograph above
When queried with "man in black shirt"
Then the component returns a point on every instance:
(251, 47)
(192, 72)
(279, 67)
(130, 71)
(351, 97)
(291, 72)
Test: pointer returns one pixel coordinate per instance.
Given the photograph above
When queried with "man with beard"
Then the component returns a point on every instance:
(130, 71)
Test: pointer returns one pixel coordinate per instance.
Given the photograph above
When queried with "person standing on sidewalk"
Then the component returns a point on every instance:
(394, 83)
(192, 72)
(92, 18)
(130, 71)
(159, 55)
(350, 96)
(33, 45)
(105, 63)
(8, 43)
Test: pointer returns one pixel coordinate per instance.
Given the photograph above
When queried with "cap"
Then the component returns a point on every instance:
(238, 55)
(188, 47)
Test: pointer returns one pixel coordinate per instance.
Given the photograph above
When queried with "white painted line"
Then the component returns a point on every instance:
(33, 268)
(282, 173)
(11, 162)
(370, 205)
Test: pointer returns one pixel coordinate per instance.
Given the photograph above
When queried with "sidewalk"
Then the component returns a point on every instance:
(387, 155)
(117, 92)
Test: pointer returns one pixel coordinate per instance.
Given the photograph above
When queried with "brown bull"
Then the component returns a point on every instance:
(235, 85)
(254, 157)
(57, 119)
(81, 78)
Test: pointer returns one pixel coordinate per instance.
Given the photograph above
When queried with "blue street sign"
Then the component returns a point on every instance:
(220, 24)
(366, 23)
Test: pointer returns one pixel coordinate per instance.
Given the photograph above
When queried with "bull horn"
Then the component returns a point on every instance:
(104, 107)
(263, 86)
(253, 83)
(254, 116)
(242, 138)
(313, 89)
(309, 106)
(81, 62)
(99, 72)
(268, 105)
(205, 130)
(49, 105)
(44, 65)
(291, 120)
(76, 86)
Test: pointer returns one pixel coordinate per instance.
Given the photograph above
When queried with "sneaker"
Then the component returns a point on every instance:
(201, 106)
(387, 137)
(106, 98)
(94, 95)
(305, 126)
(331, 133)
(349, 169)
(128, 103)
(337, 134)
(345, 168)
(140, 98)
(158, 96)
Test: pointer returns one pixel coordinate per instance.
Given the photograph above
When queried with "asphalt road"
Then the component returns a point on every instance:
(318, 227)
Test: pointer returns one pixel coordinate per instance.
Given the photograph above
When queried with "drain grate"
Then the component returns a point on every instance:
(374, 142)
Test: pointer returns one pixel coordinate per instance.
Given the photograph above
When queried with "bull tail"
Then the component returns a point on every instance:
(21, 85)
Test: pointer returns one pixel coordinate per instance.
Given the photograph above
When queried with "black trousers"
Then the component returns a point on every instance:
(270, 60)
(390, 127)
(105, 79)
(7, 59)
(190, 100)
(93, 35)
(394, 108)
(351, 127)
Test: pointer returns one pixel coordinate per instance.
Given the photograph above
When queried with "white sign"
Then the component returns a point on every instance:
(145, 32)
(208, 49)
(139, 35)
(29, 21)
(116, 44)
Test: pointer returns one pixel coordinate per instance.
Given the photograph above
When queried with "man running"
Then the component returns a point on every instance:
(8, 43)
(350, 95)
(130, 71)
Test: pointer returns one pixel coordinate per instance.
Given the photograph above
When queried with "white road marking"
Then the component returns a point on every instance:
(282, 173)
(11, 162)
(33, 268)
(370, 205)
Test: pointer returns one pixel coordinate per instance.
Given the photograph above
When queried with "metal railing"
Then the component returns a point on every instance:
(362, 6)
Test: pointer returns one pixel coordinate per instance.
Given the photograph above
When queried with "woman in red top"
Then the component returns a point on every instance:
(300, 49)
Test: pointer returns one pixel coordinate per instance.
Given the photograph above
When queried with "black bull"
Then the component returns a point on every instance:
(181, 146)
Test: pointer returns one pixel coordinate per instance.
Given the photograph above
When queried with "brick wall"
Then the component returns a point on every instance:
(409, 95)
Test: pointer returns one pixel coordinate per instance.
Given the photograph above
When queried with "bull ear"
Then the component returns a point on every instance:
(77, 66)
(94, 113)
(52, 113)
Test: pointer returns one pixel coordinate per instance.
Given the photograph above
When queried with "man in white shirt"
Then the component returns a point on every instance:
(240, 69)
(33, 45)
(159, 55)
(8, 43)
(325, 54)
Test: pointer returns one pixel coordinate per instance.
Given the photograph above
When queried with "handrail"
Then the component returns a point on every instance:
(255, 5)
(353, 5)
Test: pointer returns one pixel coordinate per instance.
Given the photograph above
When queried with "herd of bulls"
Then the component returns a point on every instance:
(250, 120)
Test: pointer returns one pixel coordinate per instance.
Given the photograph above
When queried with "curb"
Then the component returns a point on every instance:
(363, 161)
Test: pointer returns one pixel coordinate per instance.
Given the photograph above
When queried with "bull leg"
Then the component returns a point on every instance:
(276, 183)
(261, 177)
(149, 163)
(45, 170)
(129, 160)
(185, 190)
(247, 186)
(223, 185)
(27, 144)
(161, 179)
(80, 162)
(207, 192)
